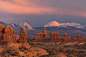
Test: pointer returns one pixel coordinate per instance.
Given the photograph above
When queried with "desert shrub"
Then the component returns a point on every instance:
(79, 47)
(13, 54)
(65, 46)
(81, 51)
(25, 48)
(73, 50)
(8, 51)
(31, 44)
(44, 56)
(19, 48)
(68, 45)
(68, 51)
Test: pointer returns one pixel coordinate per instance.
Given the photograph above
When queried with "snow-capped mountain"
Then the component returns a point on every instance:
(18, 25)
(69, 24)
(21, 25)
(54, 23)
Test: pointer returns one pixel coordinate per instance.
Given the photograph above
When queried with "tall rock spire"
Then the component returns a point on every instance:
(23, 36)
(45, 35)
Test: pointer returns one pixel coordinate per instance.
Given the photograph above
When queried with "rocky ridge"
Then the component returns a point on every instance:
(55, 37)
(10, 47)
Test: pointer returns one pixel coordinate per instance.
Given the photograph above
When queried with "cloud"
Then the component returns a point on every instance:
(42, 7)
(20, 9)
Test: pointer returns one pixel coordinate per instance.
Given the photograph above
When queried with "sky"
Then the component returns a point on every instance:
(39, 12)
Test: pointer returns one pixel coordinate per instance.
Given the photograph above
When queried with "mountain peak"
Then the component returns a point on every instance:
(27, 25)
(52, 23)
(21, 25)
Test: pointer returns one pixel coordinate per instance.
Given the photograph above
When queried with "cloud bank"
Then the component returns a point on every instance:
(57, 7)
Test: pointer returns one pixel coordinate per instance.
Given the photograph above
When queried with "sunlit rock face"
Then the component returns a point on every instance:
(1, 31)
(45, 35)
(79, 36)
(29, 39)
(7, 34)
(54, 36)
(41, 36)
(51, 35)
(17, 37)
(65, 35)
(23, 36)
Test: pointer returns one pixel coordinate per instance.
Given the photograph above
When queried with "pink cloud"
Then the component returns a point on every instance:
(18, 9)
(28, 7)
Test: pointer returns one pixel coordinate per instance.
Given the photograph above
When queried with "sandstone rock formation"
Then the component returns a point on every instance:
(29, 39)
(23, 36)
(79, 36)
(37, 37)
(41, 36)
(1, 27)
(66, 38)
(54, 36)
(17, 37)
(9, 35)
(51, 35)
(65, 35)
(1, 31)
(11, 46)
(45, 35)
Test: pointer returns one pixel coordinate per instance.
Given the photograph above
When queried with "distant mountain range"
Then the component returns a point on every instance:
(72, 28)
(50, 24)
(21, 25)
(54, 23)
(18, 25)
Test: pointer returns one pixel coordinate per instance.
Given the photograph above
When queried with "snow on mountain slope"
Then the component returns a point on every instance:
(21, 25)
(80, 26)
(54, 23)
(27, 25)
(69, 24)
